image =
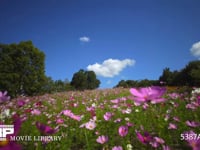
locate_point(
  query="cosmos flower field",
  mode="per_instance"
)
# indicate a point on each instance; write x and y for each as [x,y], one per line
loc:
[161,118]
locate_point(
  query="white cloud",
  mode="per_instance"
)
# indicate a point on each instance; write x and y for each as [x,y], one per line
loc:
[84,39]
[195,49]
[110,67]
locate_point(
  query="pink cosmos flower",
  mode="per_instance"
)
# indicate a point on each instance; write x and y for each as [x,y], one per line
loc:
[167,116]
[172,126]
[156,141]
[117,148]
[4,97]
[102,139]
[91,110]
[75,104]
[159,140]
[145,106]
[118,120]
[107,116]
[123,130]
[153,94]
[146,138]
[59,121]
[20,103]
[115,101]
[126,111]
[192,106]
[35,112]
[174,95]
[176,119]
[76,117]
[71,115]
[192,123]
[67,112]
[90,125]
[129,124]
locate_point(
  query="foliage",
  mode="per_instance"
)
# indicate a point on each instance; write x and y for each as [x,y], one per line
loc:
[136,83]
[188,76]
[192,73]
[22,69]
[167,76]
[52,86]
[84,80]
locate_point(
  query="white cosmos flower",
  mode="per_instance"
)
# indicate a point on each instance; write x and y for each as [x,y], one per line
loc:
[5,114]
[128,111]
[129,147]
[136,110]
[127,119]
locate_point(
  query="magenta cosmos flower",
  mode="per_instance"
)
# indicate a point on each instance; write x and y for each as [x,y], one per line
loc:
[44,129]
[123,130]
[194,142]
[151,94]
[146,138]
[21,103]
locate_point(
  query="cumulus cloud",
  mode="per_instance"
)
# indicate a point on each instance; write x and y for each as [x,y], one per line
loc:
[110,67]
[195,49]
[84,39]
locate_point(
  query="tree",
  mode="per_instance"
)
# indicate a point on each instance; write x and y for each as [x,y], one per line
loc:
[146,82]
[136,83]
[22,69]
[59,86]
[56,86]
[92,82]
[84,80]
[167,76]
[49,85]
[188,76]
[191,73]
[79,80]
[122,83]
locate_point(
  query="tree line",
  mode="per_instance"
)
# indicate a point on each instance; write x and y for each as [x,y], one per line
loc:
[188,76]
[22,72]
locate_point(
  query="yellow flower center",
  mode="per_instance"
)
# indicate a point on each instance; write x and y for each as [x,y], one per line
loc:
[4,143]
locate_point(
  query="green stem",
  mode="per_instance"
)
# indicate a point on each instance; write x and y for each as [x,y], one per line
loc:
[87,143]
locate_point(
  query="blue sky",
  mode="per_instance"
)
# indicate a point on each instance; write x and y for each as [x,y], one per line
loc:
[118,39]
